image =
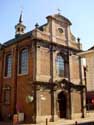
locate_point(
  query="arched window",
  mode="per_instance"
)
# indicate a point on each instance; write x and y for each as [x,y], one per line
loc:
[60,65]
[23,62]
[8,65]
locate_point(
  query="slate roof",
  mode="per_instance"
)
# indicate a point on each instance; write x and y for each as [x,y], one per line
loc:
[16,39]
[20,37]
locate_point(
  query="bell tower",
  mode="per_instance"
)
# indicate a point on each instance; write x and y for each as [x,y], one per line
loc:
[20,27]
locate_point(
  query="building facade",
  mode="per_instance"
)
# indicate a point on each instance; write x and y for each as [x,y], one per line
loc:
[40,72]
[88,79]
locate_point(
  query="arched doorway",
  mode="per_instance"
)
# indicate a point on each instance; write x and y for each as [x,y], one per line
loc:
[62,102]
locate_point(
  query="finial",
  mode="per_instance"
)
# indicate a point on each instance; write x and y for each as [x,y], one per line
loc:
[20,19]
[59,11]
[21,11]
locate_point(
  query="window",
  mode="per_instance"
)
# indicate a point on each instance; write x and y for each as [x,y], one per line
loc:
[23,61]
[90,104]
[8,65]
[18,29]
[60,30]
[22,30]
[60,65]
[7,95]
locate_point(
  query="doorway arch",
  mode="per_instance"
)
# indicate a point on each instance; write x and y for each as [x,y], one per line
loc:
[62,103]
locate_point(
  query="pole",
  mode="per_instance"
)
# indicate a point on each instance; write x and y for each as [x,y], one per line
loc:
[80,75]
[46,121]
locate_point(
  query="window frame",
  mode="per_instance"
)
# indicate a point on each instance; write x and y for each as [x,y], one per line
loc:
[58,65]
[8,65]
[20,70]
[7,95]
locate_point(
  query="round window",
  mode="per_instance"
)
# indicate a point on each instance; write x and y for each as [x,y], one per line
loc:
[60,30]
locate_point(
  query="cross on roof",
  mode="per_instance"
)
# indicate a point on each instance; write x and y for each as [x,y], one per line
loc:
[59,11]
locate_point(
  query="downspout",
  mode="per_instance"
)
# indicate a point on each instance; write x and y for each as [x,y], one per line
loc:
[15,79]
[69,90]
[34,49]
[34,66]
[51,72]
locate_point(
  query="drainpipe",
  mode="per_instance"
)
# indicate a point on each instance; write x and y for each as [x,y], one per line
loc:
[51,69]
[15,79]
[51,81]
[34,56]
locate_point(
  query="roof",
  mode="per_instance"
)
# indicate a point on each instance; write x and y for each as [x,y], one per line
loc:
[91,48]
[41,27]
[28,34]
[16,39]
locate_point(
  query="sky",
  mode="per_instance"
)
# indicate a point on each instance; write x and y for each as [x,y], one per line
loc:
[79,12]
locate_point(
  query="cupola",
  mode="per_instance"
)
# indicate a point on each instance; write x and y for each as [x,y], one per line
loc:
[20,27]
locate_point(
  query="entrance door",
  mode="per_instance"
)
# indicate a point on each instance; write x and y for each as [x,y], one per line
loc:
[62,104]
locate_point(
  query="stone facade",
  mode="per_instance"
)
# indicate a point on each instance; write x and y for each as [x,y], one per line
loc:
[44,43]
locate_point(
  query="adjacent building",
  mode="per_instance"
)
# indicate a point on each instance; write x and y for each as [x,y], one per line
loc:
[88,79]
[40,72]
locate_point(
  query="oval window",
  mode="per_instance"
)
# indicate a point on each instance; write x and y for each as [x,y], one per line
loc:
[60,30]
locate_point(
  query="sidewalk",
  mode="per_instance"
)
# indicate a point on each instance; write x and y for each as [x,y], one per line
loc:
[66,122]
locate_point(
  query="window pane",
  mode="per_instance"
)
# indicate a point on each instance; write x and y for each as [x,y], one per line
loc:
[7,95]
[8,67]
[60,65]
[24,61]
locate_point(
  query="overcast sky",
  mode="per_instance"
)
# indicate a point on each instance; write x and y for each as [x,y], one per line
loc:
[79,12]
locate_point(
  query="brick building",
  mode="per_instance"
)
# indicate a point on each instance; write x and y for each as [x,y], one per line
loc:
[40,74]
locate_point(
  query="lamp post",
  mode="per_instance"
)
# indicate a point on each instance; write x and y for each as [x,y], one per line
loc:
[80,75]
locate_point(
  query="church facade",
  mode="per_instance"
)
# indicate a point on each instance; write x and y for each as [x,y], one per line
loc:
[40,72]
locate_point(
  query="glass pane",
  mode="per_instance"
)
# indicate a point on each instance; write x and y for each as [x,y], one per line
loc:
[24,61]
[60,65]
[7,96]
[8,67]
